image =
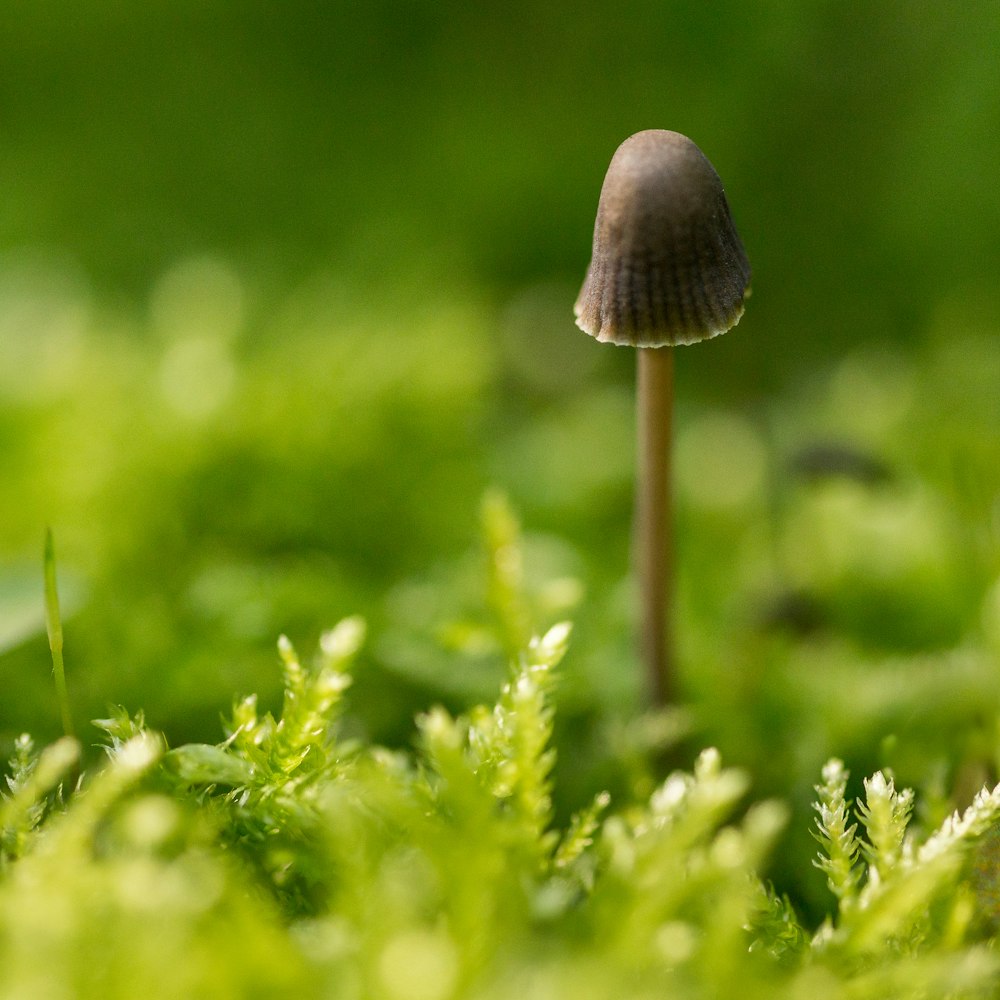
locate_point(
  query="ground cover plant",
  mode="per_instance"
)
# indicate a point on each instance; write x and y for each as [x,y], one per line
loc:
[838,596]
[292,859]
[286,341]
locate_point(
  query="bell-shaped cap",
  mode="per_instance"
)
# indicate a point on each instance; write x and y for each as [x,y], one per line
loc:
[668,266]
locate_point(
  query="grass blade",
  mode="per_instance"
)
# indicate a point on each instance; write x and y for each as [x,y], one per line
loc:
[53,626]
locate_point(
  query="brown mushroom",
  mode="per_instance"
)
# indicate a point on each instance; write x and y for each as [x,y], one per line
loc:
[667,268]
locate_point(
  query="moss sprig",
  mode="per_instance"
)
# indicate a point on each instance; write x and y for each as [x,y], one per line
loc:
[837,834]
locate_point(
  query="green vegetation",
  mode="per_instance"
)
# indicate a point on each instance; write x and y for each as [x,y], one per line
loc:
[293,860]
[838,572]
[285,300]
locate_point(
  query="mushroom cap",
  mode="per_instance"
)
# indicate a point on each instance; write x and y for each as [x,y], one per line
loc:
[668,266]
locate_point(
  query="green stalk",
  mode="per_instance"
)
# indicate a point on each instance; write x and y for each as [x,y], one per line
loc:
[53,625]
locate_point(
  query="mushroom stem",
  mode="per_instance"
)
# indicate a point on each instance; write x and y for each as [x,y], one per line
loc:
[654,519]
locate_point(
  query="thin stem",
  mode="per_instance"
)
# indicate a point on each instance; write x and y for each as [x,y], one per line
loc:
[654,519]
[53,624]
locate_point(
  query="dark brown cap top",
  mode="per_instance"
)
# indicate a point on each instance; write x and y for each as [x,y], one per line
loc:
[668,266]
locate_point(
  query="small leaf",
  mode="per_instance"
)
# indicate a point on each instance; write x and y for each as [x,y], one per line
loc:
[203,764]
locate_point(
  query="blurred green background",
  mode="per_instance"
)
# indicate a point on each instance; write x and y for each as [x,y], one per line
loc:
[284,288]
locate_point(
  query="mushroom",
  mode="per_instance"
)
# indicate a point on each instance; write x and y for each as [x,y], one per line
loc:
[667,268]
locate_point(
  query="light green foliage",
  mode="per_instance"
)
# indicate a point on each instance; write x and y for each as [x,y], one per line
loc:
[884,813]
[286,861]
[505,573]
[837,835]
[30,781]
[510,745]
[120,894]
[265,783]
[914,900]
[300,856]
